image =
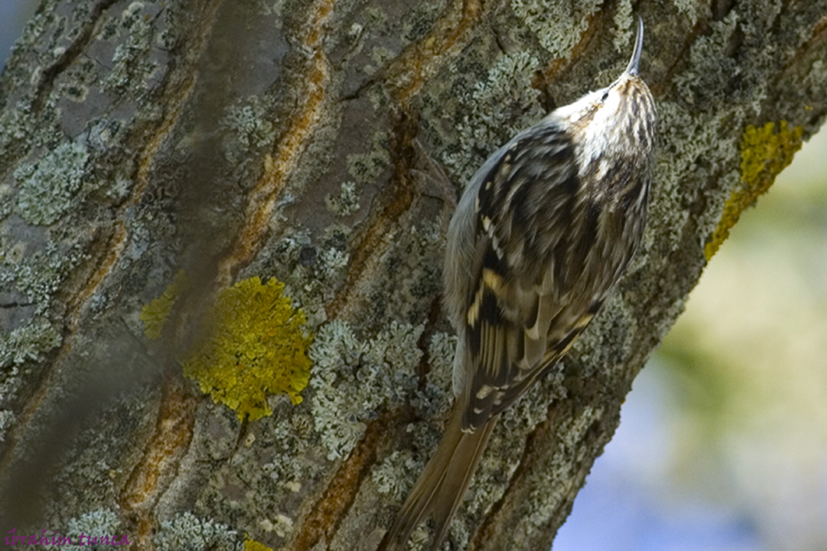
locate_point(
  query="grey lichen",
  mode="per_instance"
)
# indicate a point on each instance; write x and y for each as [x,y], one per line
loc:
[28,343]
[6,202]
[441,358]
[353,379]
[284,470]
[332,262]
[419,19]
[15,122]
[130,63]
[692,144]
[508,81]
[365,168]
[282,525]
[419,539]
[48,185]
[186,532]
[496,470]
[396,473]
[493,102]
[6,421]
[711,66]
[257,482]
[247,127]
[376,17]
[346,202]
[612,323]
[624,26]
[380,56]
[39,276]
[10,383]
[689,8]
[558,25]
[276,8]
[290,440]
[816,78]
[95,524]
[309,279]
[545,497]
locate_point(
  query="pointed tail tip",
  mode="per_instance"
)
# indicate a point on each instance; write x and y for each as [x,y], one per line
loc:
[442,485]
[634,64]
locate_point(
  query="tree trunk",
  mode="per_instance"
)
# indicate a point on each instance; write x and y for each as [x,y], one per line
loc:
[308,141]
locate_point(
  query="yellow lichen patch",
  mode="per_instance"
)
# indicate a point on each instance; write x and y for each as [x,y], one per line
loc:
[258,345]
[764,154]
[253,545]
[155,314]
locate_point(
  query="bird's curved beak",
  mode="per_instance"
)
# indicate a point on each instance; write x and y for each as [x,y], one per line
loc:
[634,63]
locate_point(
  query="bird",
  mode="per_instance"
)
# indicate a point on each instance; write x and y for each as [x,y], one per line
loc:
[540,237]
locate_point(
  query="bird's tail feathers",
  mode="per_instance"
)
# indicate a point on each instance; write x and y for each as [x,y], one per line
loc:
[443,483]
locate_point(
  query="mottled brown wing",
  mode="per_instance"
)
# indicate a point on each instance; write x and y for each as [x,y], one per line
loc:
[519,319]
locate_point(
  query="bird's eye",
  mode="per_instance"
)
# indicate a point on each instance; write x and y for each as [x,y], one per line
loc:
[605,96]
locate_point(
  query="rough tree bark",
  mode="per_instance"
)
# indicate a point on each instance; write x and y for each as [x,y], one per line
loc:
[303,140]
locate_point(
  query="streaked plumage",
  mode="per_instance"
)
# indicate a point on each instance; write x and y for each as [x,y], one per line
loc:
[543,232]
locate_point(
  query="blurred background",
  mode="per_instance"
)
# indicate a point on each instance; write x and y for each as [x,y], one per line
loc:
[723,441]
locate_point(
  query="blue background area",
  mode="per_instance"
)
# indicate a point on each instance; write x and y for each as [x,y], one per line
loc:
[13,16]
[629,502]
